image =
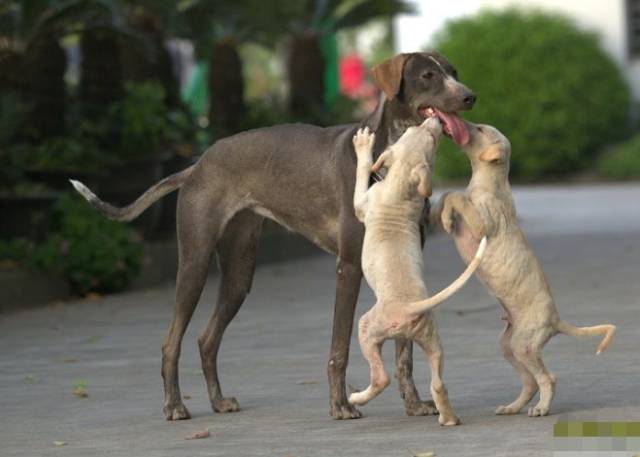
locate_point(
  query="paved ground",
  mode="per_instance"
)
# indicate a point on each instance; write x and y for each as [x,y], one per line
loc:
[273,358]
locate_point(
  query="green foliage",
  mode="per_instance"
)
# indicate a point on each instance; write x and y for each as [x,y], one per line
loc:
[145,124]
[142,116]
[623,161]
[95,254]
[17,250]
[66,153]
[543,82]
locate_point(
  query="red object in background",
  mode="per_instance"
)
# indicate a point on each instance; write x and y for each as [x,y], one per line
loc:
[352,73]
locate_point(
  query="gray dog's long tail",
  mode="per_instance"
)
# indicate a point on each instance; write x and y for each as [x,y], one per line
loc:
[605,329]
[422,306]
[130,212]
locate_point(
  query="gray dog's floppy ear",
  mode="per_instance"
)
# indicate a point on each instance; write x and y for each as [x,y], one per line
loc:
[388,74]
[420,176]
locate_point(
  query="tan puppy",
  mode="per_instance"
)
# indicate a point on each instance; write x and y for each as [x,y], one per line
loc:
[509,269]
[392,256]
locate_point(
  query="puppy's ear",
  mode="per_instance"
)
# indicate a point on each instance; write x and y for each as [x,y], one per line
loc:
[384,160]
[492,154]
[420,176]
[388,74]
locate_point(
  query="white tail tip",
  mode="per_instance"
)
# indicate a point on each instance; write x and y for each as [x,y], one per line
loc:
[83,190]
[481,248]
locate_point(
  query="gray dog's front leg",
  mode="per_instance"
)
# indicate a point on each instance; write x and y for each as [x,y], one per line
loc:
[349,276]
[404,373]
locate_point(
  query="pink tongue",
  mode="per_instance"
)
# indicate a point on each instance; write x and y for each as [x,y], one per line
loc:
[456,126]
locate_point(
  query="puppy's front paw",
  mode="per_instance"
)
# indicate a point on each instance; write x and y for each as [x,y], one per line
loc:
[538,411]
[363,141]
[448,420]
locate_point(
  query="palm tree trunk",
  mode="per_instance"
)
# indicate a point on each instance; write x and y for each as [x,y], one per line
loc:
[101,76]
[305,69]
[45,90]
[150,60]
[226,89]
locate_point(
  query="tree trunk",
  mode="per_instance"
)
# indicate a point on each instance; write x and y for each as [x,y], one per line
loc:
[45,90]
[101,77]
[150,60]
[226,89]
[11,71]
[305,69]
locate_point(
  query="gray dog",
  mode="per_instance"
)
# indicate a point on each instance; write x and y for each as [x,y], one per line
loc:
[302,177]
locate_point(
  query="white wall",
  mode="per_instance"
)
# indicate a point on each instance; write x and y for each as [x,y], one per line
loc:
[606,17]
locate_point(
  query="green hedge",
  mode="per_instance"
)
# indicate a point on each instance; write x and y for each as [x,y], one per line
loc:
[623,161]
[543,82]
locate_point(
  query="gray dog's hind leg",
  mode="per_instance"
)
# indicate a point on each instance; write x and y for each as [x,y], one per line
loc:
[237,260]
[198,230]
[404,372]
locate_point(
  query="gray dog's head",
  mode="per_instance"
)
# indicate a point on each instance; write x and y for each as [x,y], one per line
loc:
[426,84]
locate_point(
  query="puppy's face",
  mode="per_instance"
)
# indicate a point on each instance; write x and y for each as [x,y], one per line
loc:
[413,154]
[419,143]
[488,147]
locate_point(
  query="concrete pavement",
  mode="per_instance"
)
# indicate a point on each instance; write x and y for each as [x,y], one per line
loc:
[274,355]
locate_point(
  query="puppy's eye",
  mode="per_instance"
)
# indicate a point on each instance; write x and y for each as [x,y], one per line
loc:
[427,75]
[480,129]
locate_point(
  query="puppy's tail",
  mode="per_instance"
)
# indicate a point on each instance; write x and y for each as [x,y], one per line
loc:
[422,306]
[606,329]
[130,212]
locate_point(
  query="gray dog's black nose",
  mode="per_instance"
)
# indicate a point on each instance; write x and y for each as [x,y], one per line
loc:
[469,99]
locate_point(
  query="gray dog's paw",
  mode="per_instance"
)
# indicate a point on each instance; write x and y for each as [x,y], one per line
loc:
[343,412]
[421,408]
[225,405]
[176,412]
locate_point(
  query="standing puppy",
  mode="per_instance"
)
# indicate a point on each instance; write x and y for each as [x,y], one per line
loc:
[392,257]
[509,269]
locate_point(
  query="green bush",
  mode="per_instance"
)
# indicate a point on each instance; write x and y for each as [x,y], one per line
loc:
[543,82]
[94,253]
[142,116]
[623,161]
[66,153]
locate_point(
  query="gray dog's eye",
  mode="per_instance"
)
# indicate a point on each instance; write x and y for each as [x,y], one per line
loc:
[427,75]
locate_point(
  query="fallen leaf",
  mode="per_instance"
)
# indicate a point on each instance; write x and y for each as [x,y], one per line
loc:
[198,435]
[93,339]
[80,389]
[92,296]
[306,382]
[187,397]
[69,360]
[59,443]
[421,454]
[29,378]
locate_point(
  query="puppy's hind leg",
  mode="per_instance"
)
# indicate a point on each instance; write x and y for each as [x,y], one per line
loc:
[529,386]
[527,349]
[371,347]
[429,341]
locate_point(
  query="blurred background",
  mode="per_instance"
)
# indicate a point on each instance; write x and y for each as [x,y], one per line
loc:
[120,93]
